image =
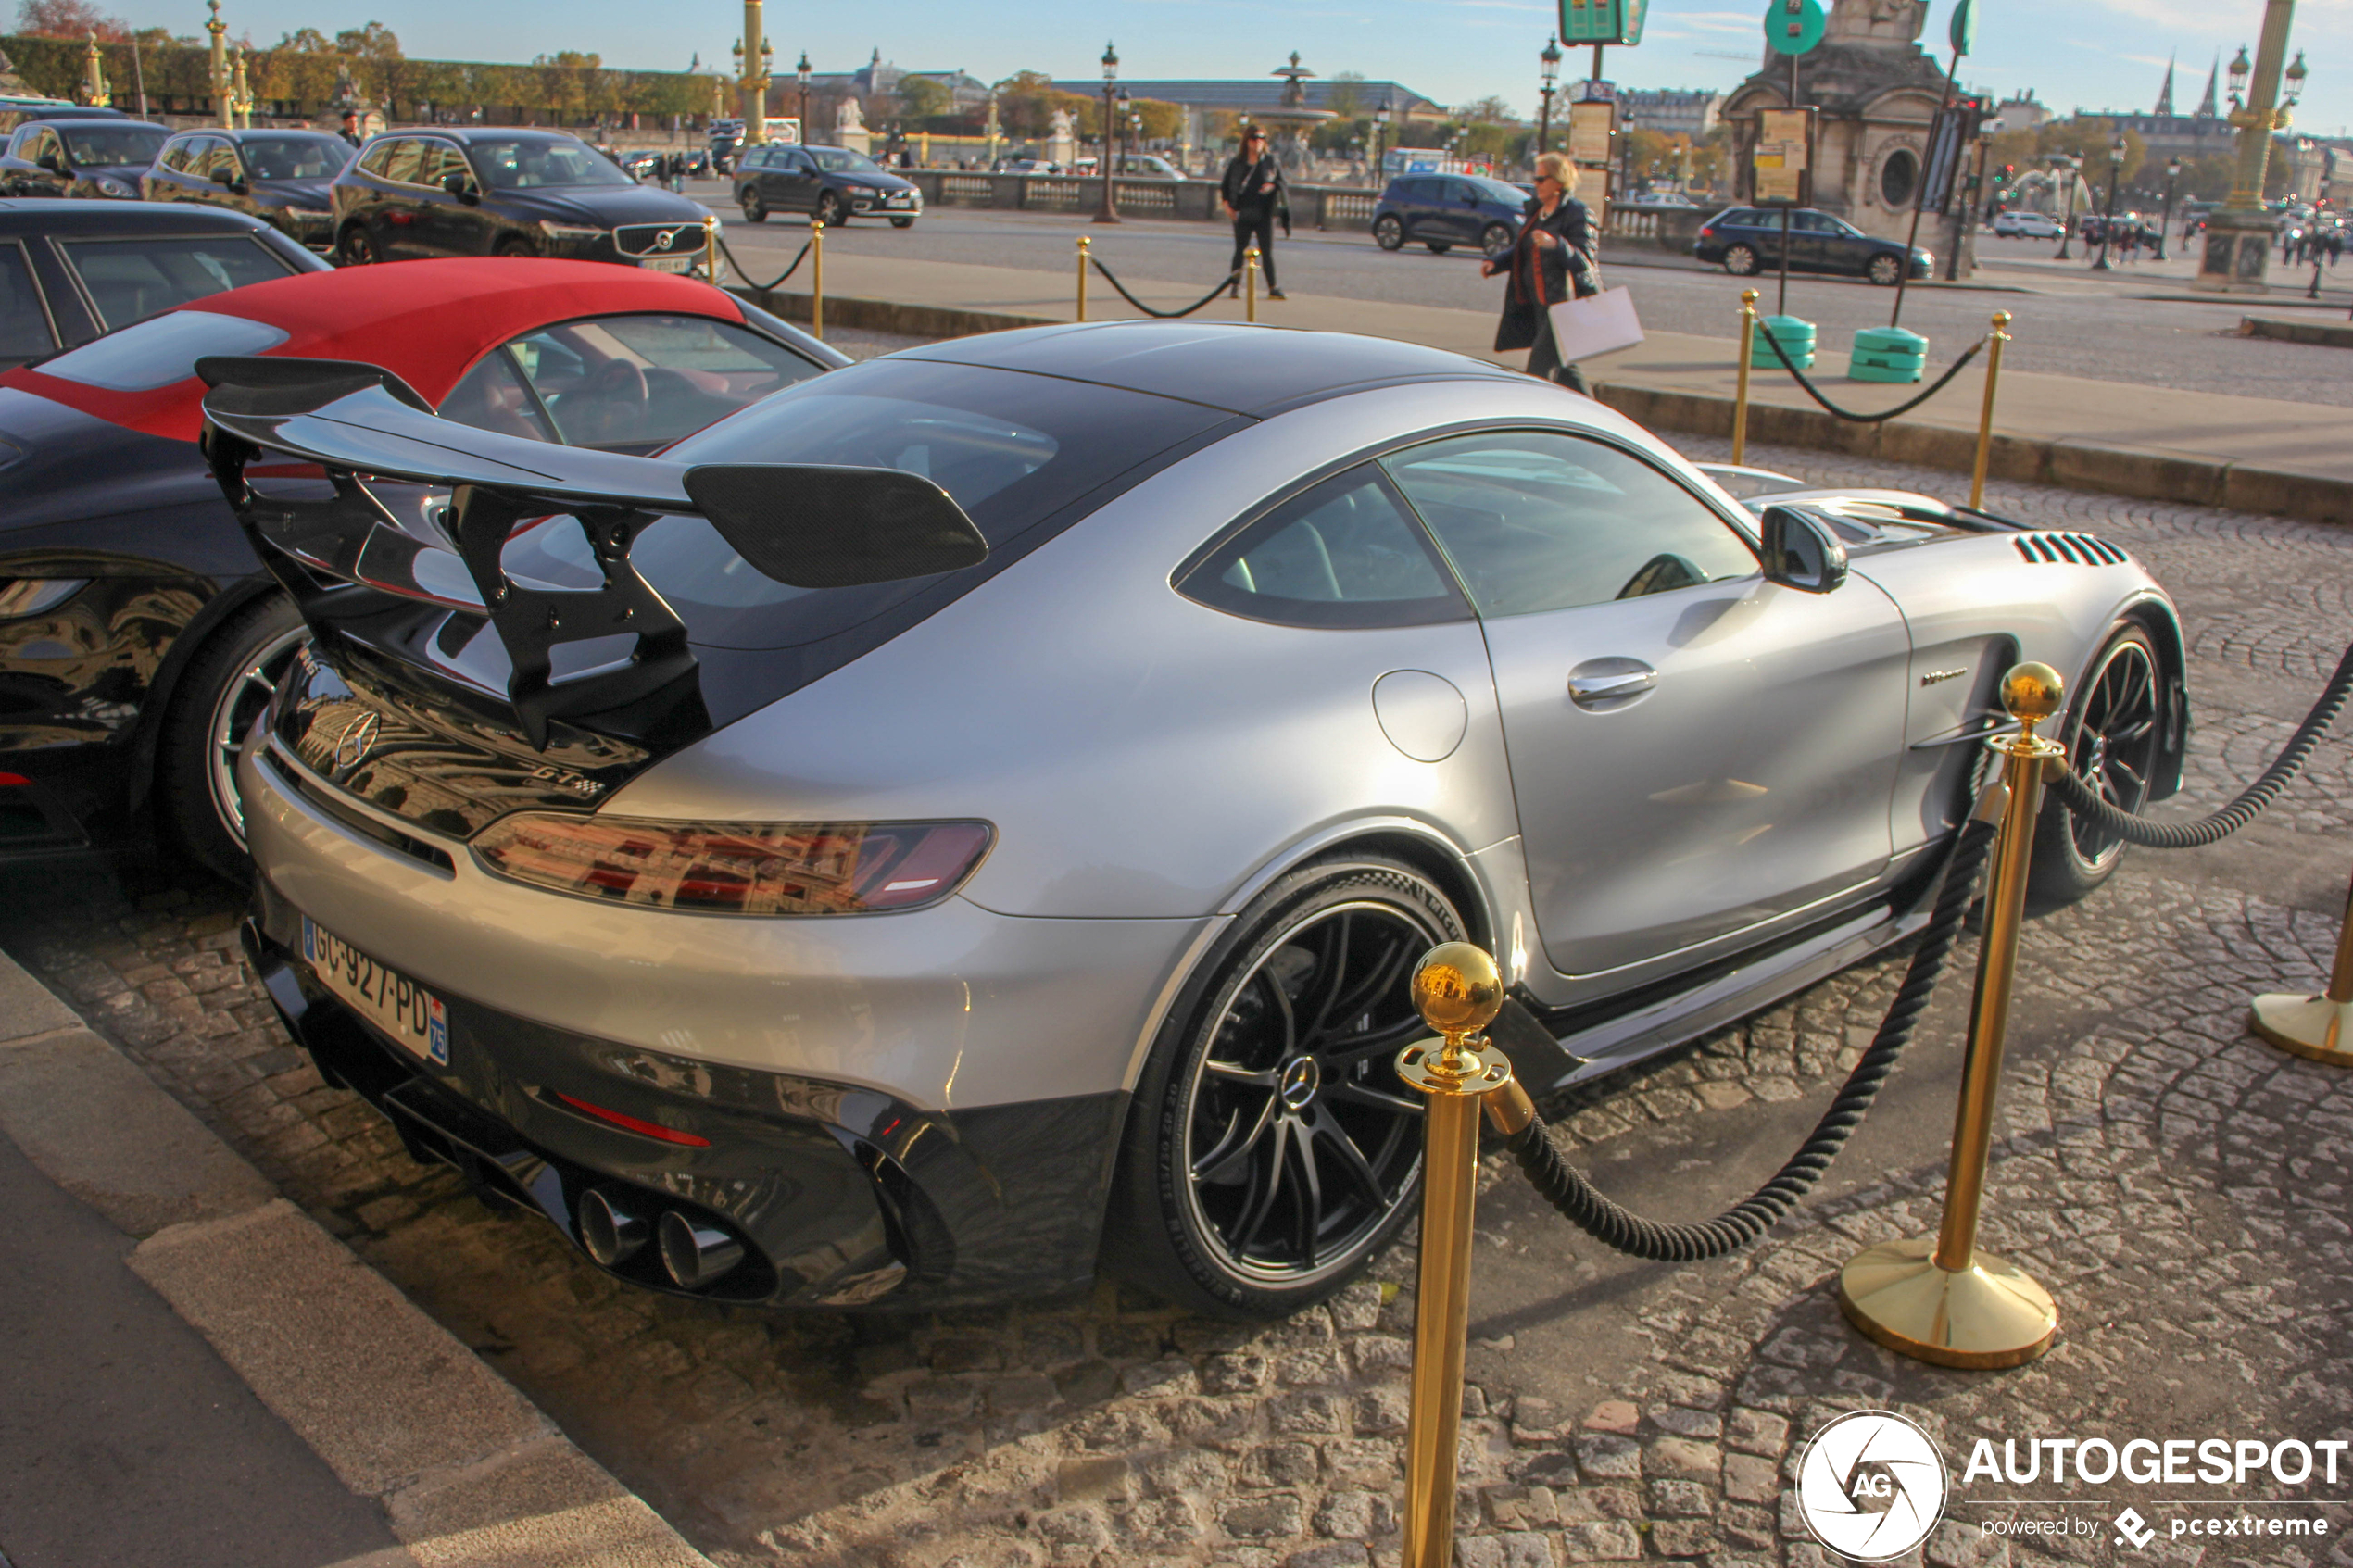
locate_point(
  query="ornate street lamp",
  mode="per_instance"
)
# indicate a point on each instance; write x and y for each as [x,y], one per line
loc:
[1110,87]
[218,72]
[2108,225]
[1381,116]
[1552,62]
[801,74]
[2295,75]
[2069,169]
[2240,233]
[2239,67]
[2172,178]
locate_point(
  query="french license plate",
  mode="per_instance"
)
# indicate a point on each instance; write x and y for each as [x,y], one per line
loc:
[391,1001]
[669,263]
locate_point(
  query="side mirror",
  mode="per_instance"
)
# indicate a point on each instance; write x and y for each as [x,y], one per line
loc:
[460,186]
[1800,552]
[53,163]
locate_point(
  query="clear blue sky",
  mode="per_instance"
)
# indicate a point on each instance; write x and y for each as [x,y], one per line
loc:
[2095,54]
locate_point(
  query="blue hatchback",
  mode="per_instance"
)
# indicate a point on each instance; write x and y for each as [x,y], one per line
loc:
[1445,210]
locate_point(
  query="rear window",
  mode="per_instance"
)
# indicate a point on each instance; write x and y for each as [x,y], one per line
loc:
[152,354]
[1017,452]
[102,148]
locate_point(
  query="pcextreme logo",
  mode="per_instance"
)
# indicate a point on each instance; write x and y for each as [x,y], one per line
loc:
[1871,1485]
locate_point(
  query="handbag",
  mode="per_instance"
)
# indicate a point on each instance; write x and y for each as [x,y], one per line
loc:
[1600,324]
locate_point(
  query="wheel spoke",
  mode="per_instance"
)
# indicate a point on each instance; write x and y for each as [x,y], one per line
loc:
[1350,1160]
[1387,1037]
[1236,1145]
[1307,1202]
[1266,1184]
[1349,1092]
[1332,973]
[1235,1073]
[1385,972]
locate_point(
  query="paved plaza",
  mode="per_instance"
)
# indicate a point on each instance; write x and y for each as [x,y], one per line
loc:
[2182,1189]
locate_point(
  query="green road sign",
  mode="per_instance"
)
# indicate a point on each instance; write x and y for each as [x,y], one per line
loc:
[1603,21]
[1794,26]
[1964,31]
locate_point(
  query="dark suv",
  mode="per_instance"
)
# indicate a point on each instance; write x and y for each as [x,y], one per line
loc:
[413,193]
[80,157]
[829,184]
[281,177]
[1746,240]
[1445,210]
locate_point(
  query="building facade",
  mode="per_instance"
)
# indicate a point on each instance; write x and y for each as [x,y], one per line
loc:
[1673,111]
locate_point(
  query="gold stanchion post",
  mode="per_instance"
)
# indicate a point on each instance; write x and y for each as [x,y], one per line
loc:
[1739,398]
[1082,277]
[1249,284]
[1985,416]
[1938,1298]
[2319,1027]
[711,250]
[817,277]
[1458,991]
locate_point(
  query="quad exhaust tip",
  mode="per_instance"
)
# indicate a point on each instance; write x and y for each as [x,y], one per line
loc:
[612,1233]
[695,1252]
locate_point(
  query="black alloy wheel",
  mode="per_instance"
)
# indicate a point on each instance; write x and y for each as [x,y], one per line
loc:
[1884,269]
[1388,233]
[1740,261]
[2114,732]
[832,211]
[755,210]
[1438,247]
[1273,1149]
[220,693]
[1496,240]
[902,222]
[357,247]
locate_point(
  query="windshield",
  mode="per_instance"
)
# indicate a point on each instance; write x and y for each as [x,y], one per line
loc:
[838,160]
[523,165]
[99,148]
[1495,190]
[295,158]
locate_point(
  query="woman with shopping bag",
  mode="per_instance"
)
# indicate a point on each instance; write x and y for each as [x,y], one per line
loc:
[1550,264]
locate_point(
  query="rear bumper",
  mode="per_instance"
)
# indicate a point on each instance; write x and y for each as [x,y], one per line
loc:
[842,1197]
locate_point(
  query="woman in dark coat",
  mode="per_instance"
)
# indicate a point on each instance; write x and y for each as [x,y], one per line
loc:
[1551,260]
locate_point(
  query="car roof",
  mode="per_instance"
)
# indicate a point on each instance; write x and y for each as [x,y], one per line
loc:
[470,133]
[1246,369]
[23,216]
[111,123]
[240,132]
[428,322]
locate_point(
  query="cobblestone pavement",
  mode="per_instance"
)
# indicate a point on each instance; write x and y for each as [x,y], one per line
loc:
[2176,1184]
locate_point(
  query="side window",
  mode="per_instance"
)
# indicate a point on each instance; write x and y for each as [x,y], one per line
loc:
[637,382]
[373,159]
[223,161]
[1534,521]
[44,143]
[492,397]
[24,324]
[131,280]
[400,164]
[175,156]
[1344,554]
[439,161]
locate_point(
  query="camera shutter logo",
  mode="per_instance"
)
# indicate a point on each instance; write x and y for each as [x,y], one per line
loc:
[1871,1485]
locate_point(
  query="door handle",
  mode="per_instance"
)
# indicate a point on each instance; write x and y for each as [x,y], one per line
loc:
[1606,683]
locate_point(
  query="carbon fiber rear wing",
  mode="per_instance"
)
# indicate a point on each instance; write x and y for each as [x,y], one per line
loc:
[805,526]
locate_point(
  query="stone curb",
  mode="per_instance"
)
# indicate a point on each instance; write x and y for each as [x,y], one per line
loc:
[2151,473]
[467,1470]
[2331,334]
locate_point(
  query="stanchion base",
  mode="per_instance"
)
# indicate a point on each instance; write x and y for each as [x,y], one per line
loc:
[2305,1025]
[1990,1314]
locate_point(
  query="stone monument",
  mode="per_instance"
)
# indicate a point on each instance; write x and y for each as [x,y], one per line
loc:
[1878,92]
[1062,141]
[849,127]
[10,83]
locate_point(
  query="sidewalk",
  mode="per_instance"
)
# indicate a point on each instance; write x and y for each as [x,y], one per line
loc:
[201,1377]
[2250,454]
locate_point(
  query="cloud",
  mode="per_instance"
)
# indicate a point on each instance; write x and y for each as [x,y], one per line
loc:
[1715,21]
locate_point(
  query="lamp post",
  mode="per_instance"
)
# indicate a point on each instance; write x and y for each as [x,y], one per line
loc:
[1110,87]
[1380,126]
[752,82]
[2172,178]
[801,74]
[1552,60]
[2107,223]
[2238,236]
[2068,168]
[219,70]
[1128,140]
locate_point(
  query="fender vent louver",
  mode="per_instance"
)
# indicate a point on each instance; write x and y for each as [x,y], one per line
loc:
[2078,550]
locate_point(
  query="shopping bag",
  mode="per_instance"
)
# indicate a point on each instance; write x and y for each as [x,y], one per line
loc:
[1600,324]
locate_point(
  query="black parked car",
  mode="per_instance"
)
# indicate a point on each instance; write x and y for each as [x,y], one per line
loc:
[829,184]
[1445,210]
[281,177]
[1746,240]
[84,156]
[412,194]
[71,269]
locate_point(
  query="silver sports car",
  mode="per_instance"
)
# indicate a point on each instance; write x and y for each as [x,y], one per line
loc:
[969,817]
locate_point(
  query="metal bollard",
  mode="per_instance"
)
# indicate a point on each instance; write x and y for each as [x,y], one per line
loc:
[2319,1027]
[1082,277]
[1740,399]
[1985,416]
[1249,284]
[1458,991]
[710,249]
[1938,1298]
[817,279]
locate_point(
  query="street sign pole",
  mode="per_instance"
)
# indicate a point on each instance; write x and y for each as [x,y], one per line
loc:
[1792,27]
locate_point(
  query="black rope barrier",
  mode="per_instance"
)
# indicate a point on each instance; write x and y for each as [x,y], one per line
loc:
[2078,795]
[1228,281]
[745,273]
[1586,1207]
[1816,393]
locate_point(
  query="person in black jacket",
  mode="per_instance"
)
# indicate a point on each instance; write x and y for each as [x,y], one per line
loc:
[1551,260]
[1254,193]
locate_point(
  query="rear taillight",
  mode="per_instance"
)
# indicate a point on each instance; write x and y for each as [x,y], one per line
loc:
[1707,233]
[737,868]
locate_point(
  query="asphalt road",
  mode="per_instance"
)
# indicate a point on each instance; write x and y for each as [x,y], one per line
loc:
[2067,321]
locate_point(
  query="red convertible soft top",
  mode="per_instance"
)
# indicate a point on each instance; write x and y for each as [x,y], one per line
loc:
[427,321]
